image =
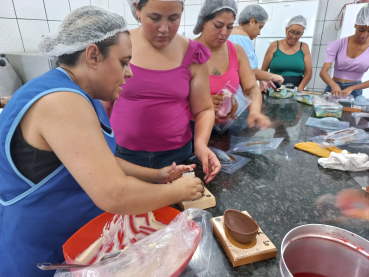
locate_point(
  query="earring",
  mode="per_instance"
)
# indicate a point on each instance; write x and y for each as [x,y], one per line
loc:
[138,18]
[251,24]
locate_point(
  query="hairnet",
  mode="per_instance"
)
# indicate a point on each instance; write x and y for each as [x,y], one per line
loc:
[253,11]
[362,17]
[210,7]
[133,9]
[81,27]
[299,20]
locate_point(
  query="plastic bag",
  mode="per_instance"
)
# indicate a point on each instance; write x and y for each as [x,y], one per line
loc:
[257,146]
[328,123]
[306,99]
[341,137]
[282,92]
[360,114]
[325,108]
[163,253]
[230,163]
[242,102]
[361,101]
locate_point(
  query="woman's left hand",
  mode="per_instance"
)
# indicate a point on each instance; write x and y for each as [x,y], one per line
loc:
[173,172]
[258,120]
[210,162]
[347,91]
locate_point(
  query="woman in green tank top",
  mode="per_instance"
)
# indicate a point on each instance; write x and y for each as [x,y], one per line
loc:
[289,57]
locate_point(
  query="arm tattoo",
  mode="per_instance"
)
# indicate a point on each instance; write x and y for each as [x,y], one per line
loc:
[216,72]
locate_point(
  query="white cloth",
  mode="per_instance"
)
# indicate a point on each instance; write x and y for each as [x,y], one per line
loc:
[346,162]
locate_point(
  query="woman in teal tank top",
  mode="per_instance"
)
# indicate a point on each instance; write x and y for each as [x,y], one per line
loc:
[289,58]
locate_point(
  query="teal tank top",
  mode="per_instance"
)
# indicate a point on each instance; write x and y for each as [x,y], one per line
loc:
[287,65]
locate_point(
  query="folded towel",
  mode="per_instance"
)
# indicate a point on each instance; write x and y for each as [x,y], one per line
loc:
[315,149]
[345,161]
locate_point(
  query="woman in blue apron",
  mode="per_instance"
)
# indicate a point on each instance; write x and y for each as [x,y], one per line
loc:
[57,165]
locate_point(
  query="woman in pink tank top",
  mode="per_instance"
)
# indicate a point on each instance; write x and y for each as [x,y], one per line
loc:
[151,118]
[228,61]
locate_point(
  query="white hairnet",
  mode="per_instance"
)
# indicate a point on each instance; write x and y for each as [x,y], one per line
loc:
[133,9]
[362,17]
[81,27]
[299,20]
[253,11]
[210,7]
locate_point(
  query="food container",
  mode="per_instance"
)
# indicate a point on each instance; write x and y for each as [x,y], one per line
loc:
[323,251]
[324,108]
[282,93]
[240,226]
[306,99]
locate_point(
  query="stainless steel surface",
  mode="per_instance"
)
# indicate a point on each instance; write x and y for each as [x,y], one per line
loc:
[325,250]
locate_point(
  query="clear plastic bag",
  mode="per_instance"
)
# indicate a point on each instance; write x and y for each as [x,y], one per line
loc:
[360,114]
[242,103]
[282,92]
[258,147]
[361,101]
[328,123]
[325,108]
[230,163]
[341,137]
[306,99]
[163,253]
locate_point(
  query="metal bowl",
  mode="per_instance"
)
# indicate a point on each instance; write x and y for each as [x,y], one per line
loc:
[324,251]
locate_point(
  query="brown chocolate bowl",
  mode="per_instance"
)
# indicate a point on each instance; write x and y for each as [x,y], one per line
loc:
[240,226]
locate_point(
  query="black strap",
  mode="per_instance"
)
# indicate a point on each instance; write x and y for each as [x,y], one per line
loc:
[301,45]
[277,44]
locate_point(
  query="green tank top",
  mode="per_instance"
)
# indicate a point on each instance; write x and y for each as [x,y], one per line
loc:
[287,65]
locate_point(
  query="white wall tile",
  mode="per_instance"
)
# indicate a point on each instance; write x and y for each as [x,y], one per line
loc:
[322,10]
[7,9]
[189,32]
[315,55]
[32,32]
[329,32]
[192,12]
[74,4]
[56,10]
[319,83]
[310,85]
[117,6]
[181,30]
[193,2]
[318,32]
[53,26]
[10,37]
[34,9]
[101,3]
[334,7]
[321,58]
[132,26]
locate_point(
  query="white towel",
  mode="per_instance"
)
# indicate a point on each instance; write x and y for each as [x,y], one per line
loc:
[346,162]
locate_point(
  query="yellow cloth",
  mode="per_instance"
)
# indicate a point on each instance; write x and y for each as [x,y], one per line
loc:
[315,149]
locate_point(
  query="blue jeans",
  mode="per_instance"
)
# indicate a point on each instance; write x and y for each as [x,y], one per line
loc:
[344,85]
[156,160]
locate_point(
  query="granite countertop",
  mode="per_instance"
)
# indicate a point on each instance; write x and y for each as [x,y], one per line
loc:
[279,189]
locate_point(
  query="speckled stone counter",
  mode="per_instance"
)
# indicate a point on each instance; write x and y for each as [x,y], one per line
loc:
[278,189]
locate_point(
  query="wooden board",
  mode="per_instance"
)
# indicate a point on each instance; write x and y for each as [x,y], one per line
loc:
[261,248]
[205,202]
[352,109]
[4,100]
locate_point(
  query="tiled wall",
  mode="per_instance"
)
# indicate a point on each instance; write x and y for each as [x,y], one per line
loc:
[23,22]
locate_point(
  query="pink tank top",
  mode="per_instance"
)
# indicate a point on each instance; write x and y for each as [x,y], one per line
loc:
[152,112]
[231,75]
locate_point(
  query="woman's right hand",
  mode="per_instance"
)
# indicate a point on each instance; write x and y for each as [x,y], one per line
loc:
[267,85]
[336,90]
[277,79]
[217,101]
[190,186]
[348,201]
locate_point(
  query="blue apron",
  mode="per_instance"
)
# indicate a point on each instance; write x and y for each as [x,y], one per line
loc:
[37,219]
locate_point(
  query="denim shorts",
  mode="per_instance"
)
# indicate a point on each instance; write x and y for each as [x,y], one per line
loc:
[156,160]
[344,85]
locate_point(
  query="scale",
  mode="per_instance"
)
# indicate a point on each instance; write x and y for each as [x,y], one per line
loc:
[261,248]
[205,202]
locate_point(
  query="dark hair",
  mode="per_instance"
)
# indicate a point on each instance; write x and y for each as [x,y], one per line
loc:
[143,3]
[214,15]
[104,48]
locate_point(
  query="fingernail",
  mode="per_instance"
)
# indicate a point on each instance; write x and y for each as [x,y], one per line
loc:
[205,170]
